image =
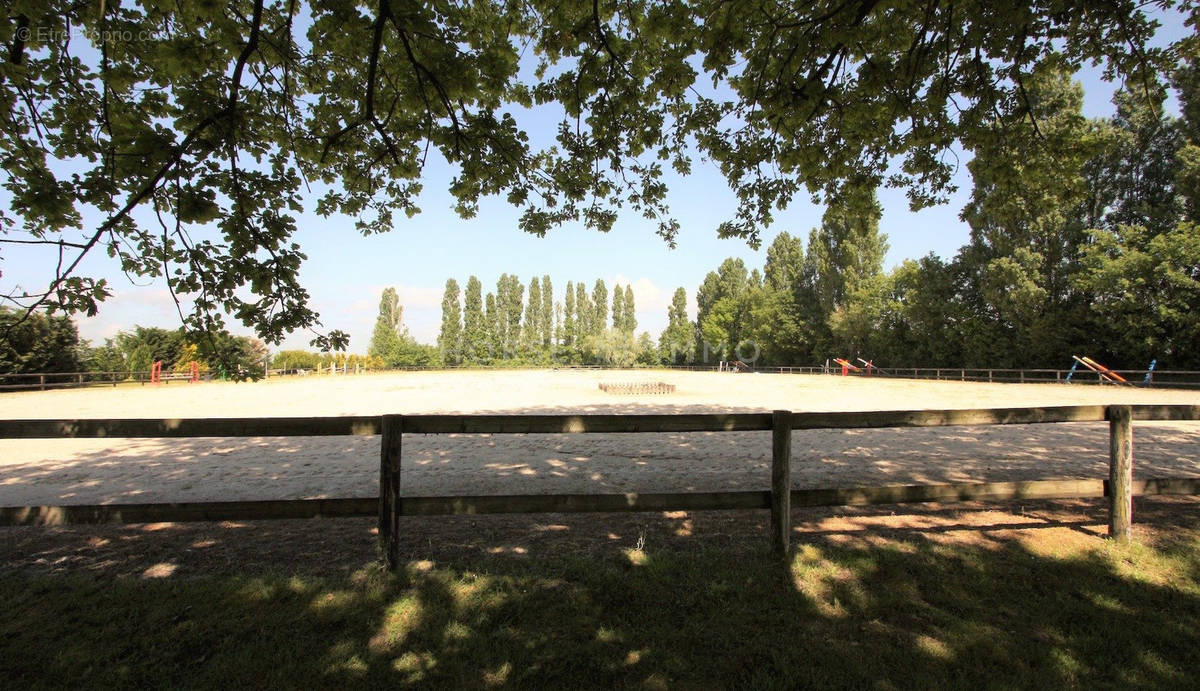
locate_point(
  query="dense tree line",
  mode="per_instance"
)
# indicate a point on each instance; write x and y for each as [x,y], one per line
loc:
[1083,239]
[220,354]
[301,361]
[41,343]
[391,345]
[524,324]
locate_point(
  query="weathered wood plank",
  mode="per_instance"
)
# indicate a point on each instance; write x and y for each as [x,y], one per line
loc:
[1166,412]
[188,511]
[938,418]
[781,482]
[192,427]
[1120,472]
[585,503]
[581,503]
[551,424]
[1167,486]
[390,448]
[390,455]
[949,493]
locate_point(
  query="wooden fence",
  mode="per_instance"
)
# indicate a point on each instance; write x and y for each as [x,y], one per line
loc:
[1160,378]
[43,381]
[390,504]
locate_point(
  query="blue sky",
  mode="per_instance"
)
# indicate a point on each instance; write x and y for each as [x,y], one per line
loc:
[346,272]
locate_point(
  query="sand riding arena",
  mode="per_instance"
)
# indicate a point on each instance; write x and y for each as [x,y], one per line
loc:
[115,471]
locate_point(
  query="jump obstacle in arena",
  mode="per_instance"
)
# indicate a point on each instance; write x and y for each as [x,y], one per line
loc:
[156,373]
[1105,373]
[638,388]
[847,366]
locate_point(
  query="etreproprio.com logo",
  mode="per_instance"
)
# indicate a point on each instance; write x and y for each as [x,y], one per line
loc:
[40,35]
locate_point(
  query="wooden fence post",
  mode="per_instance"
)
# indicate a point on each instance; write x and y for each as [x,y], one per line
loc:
[389,489]
[781,481]
[1120,471]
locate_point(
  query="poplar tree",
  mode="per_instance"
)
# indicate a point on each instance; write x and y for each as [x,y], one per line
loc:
[547,311]
[451,336]
[785,263]
[499,318]
[618,308]
[494,322]
[558,324]
[531,336]
[475,327]
[777,322]
[845,254]
[847,249]
[583,316]
[599,316]
[630,311]
[678,340]
[568,323]
[511,313]
[722,314]
[385,340]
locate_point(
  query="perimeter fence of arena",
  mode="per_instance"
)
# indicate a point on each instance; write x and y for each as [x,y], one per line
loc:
[391,504]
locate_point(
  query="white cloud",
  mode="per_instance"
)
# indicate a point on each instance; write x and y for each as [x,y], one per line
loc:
[651,303]
[356,309]
[411,297]
[417,297]
[646,295]
[133,306]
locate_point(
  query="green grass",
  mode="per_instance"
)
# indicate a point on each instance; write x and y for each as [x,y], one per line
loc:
[873,611]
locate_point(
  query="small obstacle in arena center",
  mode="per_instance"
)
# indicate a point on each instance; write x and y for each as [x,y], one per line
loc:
[656,387]
[1104,373]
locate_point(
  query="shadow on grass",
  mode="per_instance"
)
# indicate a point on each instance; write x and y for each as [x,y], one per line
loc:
[1030,600]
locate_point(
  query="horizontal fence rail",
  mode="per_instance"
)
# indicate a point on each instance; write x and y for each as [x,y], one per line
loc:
[43,381]
[390,505]
[579,503]
[568,424]
[1158,379]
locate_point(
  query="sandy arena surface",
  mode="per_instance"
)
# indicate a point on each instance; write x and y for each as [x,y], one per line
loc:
[87,471]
